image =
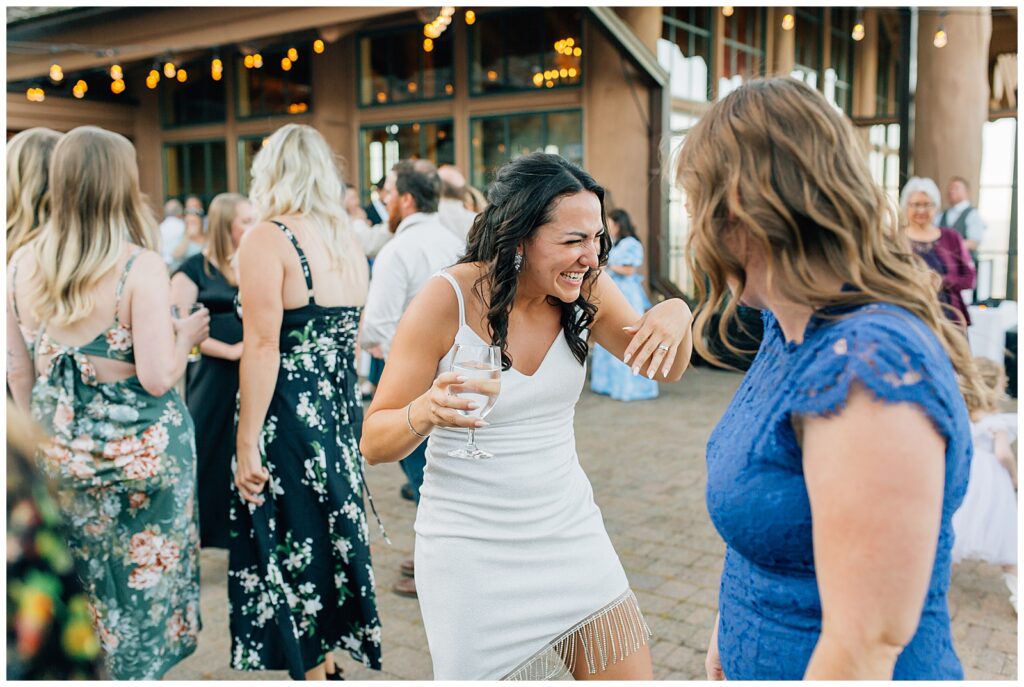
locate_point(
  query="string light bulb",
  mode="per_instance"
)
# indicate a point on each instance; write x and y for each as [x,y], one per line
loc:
[169,70]
[470,17]
[257,60]
[115,72]
[248,62]
[82,86]
[286,64]
[35,95]
[788,22]
[318,46]
[117,86]
[293,54]
[428,45]
[216,69]
[727,11]
[858,30]
[941,39]
[56,73]
[182,75]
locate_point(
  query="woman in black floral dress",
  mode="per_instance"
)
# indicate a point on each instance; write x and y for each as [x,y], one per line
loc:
[300,582]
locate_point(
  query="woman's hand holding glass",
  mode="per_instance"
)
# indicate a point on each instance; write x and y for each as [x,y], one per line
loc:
[441,406]
[194,329]
[656,337]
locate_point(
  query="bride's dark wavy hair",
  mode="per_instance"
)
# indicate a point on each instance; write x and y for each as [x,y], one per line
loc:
[522,198]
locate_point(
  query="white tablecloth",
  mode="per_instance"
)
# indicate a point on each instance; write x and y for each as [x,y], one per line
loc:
[987,333]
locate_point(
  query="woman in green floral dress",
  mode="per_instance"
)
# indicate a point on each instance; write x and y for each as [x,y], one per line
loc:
[300,581]
[121,447]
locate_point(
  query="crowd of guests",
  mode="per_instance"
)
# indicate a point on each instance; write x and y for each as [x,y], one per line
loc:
[835,477]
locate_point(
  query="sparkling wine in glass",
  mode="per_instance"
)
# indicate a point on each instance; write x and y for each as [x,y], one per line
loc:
[481,366]
[193,355]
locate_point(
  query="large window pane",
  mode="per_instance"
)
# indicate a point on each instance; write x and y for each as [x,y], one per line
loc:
[195,168]
[743,48]
[248,146]
[496,140]
[384,145]
[526,49]
[839,75]
[199,100]
[807,52]
[281,86]
[995,198]
[674,262]
[684,50]
[397,67]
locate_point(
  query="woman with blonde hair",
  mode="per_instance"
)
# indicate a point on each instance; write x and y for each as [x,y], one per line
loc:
[835,471]
[209,278]
[300,581]
[106,354]
[28,171]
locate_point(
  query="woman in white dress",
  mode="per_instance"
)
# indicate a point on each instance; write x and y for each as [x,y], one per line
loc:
[986,522]
[516,575]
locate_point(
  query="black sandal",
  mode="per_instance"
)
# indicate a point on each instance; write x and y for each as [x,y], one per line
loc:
[336,675]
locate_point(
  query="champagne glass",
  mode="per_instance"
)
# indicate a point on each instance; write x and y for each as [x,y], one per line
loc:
[481,366]
[193,355]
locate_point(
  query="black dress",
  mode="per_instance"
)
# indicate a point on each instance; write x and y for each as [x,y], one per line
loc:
[300,583]
[211,387]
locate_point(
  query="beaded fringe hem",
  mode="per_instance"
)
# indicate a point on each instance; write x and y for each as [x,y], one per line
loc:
[609,635]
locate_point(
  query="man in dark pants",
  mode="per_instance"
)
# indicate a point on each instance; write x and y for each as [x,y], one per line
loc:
[421,247]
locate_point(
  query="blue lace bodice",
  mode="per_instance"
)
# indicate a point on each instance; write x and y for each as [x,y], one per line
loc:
[757,498]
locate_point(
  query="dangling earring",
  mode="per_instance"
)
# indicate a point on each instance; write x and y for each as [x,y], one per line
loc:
[518,262]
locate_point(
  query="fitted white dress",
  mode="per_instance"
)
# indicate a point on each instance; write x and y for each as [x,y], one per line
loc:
[515,572]
[986,522]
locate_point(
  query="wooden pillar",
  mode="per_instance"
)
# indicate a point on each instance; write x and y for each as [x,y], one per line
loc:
[952,97]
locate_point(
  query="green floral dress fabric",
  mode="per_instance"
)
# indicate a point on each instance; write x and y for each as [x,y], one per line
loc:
[300,583]
[123,462]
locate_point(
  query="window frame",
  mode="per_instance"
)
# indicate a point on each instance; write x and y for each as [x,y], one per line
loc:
[207,195]
[364,193]
[471,35]
[693,31]
[239,71]
[729,43]
[523,113]
[394,30]
[192,67]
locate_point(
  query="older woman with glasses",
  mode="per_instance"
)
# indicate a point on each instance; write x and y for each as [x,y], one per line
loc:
[942,249]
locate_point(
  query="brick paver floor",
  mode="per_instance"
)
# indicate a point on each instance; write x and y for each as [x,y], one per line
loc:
[646,463]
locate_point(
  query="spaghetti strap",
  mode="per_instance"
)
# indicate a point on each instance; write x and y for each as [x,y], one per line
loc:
[458,294]
[121,282]
[302,259]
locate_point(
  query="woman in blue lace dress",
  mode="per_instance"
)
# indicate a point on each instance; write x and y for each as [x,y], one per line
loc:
[608,374]
[834,473]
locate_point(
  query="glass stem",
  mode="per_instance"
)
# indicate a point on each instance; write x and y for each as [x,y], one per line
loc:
[472,439]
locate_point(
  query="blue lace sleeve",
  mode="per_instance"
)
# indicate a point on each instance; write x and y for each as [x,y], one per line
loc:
[627,253]
[893,355]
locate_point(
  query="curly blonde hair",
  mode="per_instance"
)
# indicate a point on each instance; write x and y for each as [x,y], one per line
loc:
[775,159]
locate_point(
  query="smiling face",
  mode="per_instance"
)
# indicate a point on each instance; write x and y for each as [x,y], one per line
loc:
[920,209]
[560,253]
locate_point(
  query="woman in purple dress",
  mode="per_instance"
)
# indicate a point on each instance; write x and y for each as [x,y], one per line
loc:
[942,249]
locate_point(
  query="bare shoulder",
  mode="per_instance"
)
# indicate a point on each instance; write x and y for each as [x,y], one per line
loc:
[264,236]
[148,268]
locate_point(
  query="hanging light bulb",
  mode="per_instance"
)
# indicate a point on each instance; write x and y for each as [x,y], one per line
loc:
[286,64]
[82,86]
[293,54]
[78,92]
[56,73]
[941,39]
[727,11]
[257,60]
[318,46]
[788,21]
[151,82]
[115,72]
[182,75]
[248,62]
[117,86]
[428,45]
[169,70]
[470,17]
[858,30]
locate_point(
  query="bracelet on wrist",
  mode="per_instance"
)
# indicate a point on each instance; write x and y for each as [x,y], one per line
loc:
[408,420]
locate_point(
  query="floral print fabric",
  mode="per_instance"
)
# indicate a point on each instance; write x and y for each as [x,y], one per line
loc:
[123,462]
[300,582]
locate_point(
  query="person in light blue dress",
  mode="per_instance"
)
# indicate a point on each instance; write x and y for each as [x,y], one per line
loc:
[608,374]
[835,471]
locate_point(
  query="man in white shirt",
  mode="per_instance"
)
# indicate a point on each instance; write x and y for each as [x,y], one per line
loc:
[421,246]
[961,216]
[172,231]
[451,208]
